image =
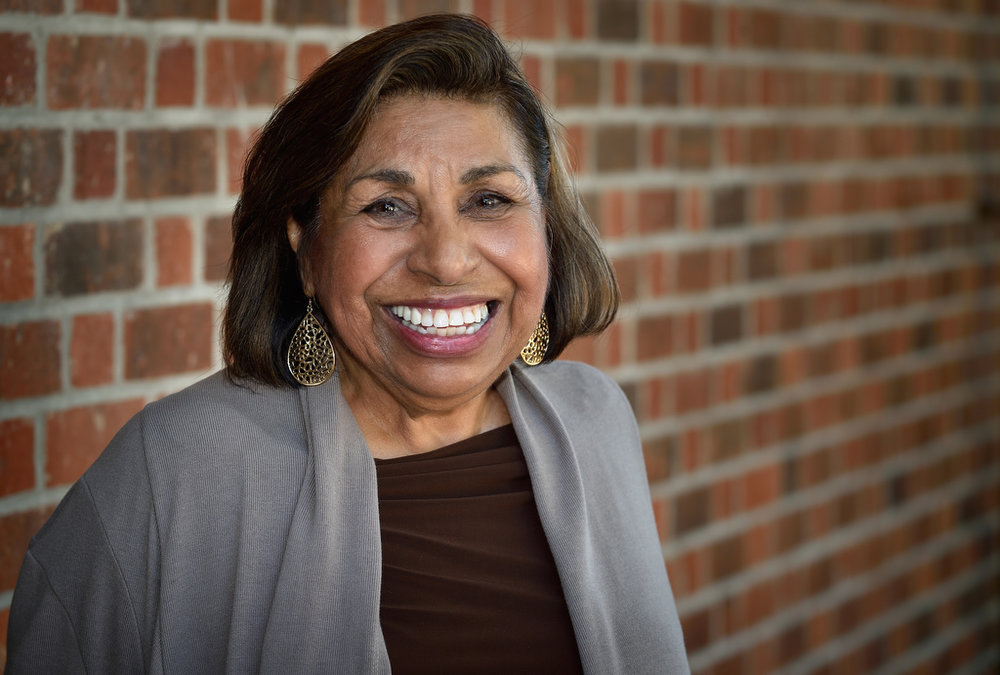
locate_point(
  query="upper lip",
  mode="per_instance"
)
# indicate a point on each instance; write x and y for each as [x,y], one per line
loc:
[442,303]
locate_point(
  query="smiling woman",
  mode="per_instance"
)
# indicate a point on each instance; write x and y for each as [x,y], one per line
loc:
[375,482]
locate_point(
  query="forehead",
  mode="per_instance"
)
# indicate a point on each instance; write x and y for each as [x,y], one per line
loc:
[416,128]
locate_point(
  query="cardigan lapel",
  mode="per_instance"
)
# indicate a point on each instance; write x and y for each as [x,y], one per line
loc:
[559,495]
[331,569]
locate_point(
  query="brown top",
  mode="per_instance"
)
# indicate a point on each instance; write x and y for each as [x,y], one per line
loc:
[468,581]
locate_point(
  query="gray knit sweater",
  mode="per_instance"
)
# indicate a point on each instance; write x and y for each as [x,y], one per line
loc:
[235,529]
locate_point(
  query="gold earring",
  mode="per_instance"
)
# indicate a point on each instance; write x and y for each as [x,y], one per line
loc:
[310,354]
[538,343]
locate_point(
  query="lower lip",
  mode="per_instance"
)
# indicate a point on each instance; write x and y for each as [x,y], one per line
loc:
[438,345]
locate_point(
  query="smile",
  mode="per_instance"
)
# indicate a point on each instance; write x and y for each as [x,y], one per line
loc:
[443,322]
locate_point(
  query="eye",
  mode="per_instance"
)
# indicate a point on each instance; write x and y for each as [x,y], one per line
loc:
[387,209]
[487,204]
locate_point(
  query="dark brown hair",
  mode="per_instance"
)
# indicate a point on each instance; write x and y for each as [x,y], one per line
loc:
[317,128]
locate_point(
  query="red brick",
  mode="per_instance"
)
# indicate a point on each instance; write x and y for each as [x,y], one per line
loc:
[694,271]
[237,142]
[92,350]
[17,69]
[372,12]
[310,56]
[169,9]
[311,12]
[655,337]
[17,455]
[175,73]
[578,81]
[241,73]
[657,210]
[169,163]
[97,6]
[695,24]
[244,10]
[29,359]
[168,340]
[93,257]
[218,246]
[17,263]
[92,71]
[75,437]
[16,530]
[529,19]
[93,164]
[174,248]
[31,162]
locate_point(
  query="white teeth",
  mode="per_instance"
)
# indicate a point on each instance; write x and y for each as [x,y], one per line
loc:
[443,322]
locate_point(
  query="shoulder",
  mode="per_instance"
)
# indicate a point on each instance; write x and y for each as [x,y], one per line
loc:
[219,416]
[590,410]
[579,393]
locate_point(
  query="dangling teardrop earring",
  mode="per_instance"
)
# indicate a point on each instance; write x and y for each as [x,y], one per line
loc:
[311,358]
[534,352]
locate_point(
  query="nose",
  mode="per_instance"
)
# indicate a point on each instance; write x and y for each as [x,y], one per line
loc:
[445,250]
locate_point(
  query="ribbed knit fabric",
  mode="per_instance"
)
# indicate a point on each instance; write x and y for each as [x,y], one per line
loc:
[234,529]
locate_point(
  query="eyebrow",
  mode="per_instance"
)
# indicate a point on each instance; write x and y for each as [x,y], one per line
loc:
[404,178]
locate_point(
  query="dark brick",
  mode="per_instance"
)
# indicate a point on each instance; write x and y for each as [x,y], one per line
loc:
[33,6]
[762,375]
[762,261]
[318,11]
[659,83]
[617,148]
[726,324]
[17,69]
[729,206]
[578,81]
[695,147]
[167,163]
[727,557]
[692,510]
[696,630]
[169,9]
[656,210]
[218,247]
[618,20]
[168,340]
[93,257]
[31,162]
[95,71]
[794,312]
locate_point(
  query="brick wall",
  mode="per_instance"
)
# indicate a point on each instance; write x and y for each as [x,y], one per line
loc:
[802,200]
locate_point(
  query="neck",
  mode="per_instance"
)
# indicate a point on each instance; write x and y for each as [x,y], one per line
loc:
[394,426]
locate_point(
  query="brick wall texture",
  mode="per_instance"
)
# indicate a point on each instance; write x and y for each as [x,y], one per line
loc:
[802,202]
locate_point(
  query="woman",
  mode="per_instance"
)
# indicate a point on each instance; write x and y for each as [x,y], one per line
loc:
[372,484]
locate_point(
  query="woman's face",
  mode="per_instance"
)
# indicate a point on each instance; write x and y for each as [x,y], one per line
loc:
[431,261]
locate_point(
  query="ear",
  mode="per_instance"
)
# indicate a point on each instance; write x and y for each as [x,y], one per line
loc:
[294,231]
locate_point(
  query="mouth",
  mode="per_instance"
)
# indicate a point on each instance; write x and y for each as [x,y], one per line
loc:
[442,322]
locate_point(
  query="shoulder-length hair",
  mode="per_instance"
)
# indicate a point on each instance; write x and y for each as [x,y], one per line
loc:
[317,128]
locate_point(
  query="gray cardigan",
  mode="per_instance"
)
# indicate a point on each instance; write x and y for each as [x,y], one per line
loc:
[235,529]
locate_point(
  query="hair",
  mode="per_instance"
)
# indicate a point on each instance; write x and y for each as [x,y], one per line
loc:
[318,127]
